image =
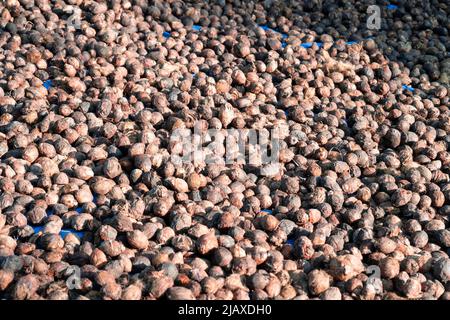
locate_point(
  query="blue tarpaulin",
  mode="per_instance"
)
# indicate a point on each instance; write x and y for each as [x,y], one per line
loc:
[409,88]
[63,233]
[47,84]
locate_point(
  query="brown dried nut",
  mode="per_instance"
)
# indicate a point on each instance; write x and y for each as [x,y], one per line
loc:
[181,221]
[386,245]
[98,258]
[162,206]
[291,185]
[112,168]
[83,172]
[160,285]
[318,281]
[179,293]
[222,86]
[389,267]
[226,115]
[303,248]
[211,285]
[30,153]
[222,257]
[227,220]
[84,195]
[401,197]
[273,288]
[269,222]
[2,220]
[393,137]
[121,222]
[143,162]
[195,181]
[242,49]
[441,270]
[443,237]
[332,293]
[49,166]
[132,292]
[345,267]
[82,221]
[234,282]
[97,153]
[412,288]
[25,287]
[182,243]
[112,290]
[178,184]
[420,239]
[314,216]
[40,267]
[101,185]
[207,242]
[351,185]
[106,232]
[49,241]
[238,76]
[244,265]
[104,277]
[137,239]
[6,278]
[259,280]
[164,235]
[112,247]
[7,245]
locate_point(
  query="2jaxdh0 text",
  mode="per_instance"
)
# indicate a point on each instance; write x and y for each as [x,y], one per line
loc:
[226,309]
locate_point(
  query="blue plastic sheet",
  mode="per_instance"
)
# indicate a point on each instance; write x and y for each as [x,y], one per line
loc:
[47,84]
[63,233]
[196,27]
[392,7]
[307,45]
[37,229]
[411,89]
